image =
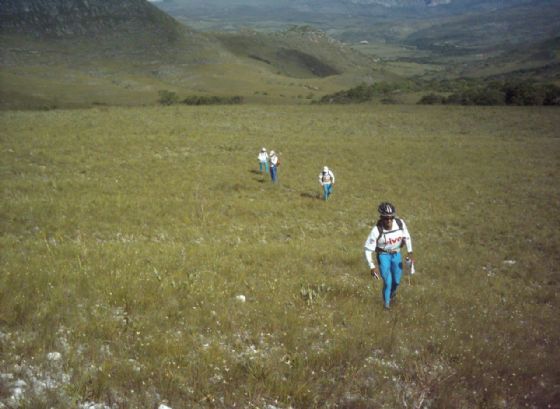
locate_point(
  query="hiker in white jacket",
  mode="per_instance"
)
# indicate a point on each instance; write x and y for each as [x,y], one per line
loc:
[263,160]
[274,163]
[326,179]
[386,239]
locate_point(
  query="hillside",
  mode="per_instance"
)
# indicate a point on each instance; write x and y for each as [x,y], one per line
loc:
[297,52]
[491,31]
[516,41]
[74,53]
[146,261]
[538,61]
[62,18]
[67,51]
[417,37]
[79,53]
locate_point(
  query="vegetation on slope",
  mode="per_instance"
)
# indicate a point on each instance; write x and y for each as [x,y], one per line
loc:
[104,53]
[464,91]
[485,32]
[129,235]
[300,51]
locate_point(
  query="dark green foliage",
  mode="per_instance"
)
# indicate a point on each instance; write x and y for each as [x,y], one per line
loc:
[475,92]
[486,96]
[552,95]
[364,93]
[389,101]
[432,99]
[168,97]
[214,100]
[523,93]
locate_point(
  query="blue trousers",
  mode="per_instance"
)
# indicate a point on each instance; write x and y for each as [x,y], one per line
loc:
[274,174]
[327,190]
[390,267]
[263,164]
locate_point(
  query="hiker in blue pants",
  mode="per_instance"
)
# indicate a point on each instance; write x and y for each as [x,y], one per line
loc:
[263,160]
[386,239]
[326,179]
[274,163]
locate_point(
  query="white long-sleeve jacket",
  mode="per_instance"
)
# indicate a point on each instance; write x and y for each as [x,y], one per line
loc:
[326,178]
[263,157]
[388,240]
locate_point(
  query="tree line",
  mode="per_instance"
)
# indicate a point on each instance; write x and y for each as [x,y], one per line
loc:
[500,93]
[171,98]
[460,92]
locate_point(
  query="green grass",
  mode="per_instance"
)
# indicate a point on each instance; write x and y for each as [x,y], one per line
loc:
[128,233]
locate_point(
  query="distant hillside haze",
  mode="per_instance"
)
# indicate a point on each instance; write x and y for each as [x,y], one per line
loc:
[340,6]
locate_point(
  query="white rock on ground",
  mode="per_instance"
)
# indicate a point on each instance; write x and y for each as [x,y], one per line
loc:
[54,356]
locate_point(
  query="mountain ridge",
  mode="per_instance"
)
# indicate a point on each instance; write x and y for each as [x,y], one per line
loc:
[62,18]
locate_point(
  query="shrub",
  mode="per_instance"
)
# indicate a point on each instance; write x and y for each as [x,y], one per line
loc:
[213,100]
[488,97]
[456,99]
[168,97]
[507,93]
[552,95]
[432,99]
[364,93]
[523,93]
[389,101]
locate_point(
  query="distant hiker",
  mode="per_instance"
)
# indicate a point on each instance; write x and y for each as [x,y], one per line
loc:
[326,179]
[386,239]
[274,163]
[263,160]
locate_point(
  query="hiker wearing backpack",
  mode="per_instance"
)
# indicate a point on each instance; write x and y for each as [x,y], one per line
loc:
[326,179]
[274,163]
[263,160]
[386,239]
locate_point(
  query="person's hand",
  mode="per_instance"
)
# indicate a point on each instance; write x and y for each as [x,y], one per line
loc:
[410,256]
[374,273]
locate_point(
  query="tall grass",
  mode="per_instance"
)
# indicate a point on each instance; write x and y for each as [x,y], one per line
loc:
[128,235]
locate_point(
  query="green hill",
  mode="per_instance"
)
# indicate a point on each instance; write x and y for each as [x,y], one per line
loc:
[497,42]
[300,51]
[82,53]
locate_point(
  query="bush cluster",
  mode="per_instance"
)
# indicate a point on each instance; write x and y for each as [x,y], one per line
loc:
[214,100]
[364,93]
[171,98]
[463,91]
[500,93]
[168,97]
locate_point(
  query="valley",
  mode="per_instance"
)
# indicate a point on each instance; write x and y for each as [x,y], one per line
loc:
[50,59]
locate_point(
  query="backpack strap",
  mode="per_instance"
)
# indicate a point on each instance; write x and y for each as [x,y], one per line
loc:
[379,230]
[380,226]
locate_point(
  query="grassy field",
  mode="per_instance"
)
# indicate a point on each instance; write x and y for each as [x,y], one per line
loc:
[129,235]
